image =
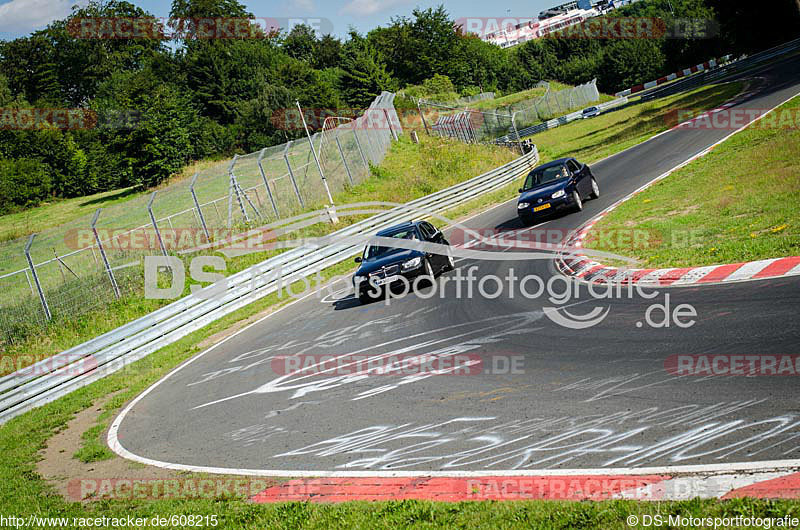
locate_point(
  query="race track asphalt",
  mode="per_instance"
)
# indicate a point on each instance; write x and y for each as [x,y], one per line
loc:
[529,394]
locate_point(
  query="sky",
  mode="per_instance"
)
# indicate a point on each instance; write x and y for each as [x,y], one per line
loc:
[20,17]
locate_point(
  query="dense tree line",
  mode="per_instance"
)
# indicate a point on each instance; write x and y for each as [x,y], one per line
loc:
[160,104]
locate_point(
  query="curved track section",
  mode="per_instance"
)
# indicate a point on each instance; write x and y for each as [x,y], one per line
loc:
[517,391]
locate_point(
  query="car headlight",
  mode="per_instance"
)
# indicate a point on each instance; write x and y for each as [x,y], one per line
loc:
[413,263]
[523,205]
[559,193]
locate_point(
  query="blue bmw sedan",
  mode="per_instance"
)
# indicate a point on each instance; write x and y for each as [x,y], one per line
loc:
[558,185]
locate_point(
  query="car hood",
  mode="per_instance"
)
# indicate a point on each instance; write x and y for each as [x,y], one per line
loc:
[544,191]
[397,256]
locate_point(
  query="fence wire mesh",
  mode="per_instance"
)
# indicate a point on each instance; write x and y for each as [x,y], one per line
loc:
[88,263]
[473,125]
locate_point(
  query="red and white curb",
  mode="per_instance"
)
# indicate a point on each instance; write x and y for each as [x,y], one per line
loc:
[571,262]
[584,268]
[671,77]
[657,487]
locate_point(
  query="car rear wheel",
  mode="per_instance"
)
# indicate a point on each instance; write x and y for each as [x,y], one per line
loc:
[576,199]
[595,189]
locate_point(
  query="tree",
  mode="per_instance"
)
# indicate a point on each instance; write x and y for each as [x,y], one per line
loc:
[5,92]
[748,26]
[183,9]
[23,183]
[29,66]
[415,49]
[301,43]
[364,76]
[161,143]
[627,62]
[328,53]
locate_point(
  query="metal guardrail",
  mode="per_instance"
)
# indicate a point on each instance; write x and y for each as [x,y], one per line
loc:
[688,83]
[555,122]
[81,365]
[716,74]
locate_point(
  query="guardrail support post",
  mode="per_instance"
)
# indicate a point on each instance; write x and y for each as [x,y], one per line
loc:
[103,254]
[344,161]
[291,174]
[266,182]
[197,207]
[42,299]
[155,225]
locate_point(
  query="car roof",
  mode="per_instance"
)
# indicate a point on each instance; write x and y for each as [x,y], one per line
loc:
[558,162]
[395,228]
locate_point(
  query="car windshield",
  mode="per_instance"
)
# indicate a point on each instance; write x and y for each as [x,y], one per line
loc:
[590,109]
[375,251]
[537,177]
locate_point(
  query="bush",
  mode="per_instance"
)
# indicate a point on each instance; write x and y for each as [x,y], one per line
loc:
[23,183]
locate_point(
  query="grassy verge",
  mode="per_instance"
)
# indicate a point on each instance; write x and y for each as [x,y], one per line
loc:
[612,132]
[738,203]
[60,211]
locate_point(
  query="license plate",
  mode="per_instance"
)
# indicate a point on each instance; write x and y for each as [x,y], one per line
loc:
[388,279]
[542,207]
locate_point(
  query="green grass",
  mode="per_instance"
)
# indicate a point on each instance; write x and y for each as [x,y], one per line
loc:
[408,172]
[516,97]
[738,203]
[612,132]
[61,211]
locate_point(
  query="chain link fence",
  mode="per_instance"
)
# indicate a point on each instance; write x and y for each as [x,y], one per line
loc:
[470,125]
[92,261]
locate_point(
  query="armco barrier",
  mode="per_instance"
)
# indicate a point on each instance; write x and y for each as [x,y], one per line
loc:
[77,367]
[712,63]
[555,122]
[711,76]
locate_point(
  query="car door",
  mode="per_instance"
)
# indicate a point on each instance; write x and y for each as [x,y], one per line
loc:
[580,175]
[433,236]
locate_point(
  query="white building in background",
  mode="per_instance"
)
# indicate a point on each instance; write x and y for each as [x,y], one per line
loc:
[536,29]
[553,19]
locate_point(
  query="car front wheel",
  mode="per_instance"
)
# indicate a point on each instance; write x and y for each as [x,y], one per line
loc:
[429,271]
[450,265]
[576,200]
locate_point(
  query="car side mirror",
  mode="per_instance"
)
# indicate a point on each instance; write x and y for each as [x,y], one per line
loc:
[519,190]
[358,259]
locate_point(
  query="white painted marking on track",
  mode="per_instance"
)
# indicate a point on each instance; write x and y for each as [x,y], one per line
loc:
[695,275]
[795,270]
[748,270]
